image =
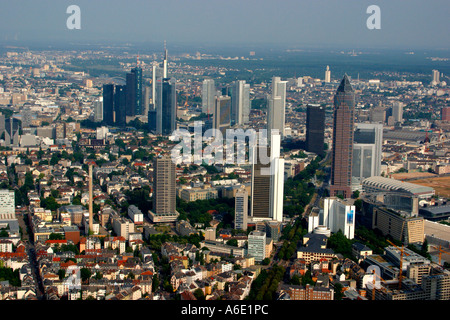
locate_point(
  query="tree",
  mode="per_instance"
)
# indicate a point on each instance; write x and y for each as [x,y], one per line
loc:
[85,274]
[198,293]
[61,274]
[155,283]
[56,236]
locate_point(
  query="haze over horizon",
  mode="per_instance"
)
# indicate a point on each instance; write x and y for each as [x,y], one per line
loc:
[406,25]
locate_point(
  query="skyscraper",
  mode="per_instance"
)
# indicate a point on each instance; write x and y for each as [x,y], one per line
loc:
[277,106]
[120,105]
[367,154]
[241,209]
[108,104]
[208,95]
[12,127]
[164,190]
[342,151]
[134,92]
[315,129]
[166,106]
[222,113]
[435,81]
[397,111]
[146,100]
[98,110]
[327,75]
[267,181]
[240,109]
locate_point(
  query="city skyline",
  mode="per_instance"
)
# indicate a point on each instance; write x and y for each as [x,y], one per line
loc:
[114,184]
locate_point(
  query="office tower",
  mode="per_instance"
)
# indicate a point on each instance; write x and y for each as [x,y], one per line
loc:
[397,111]
[12,127]
[7,204]
[134,92]
[131,94]
[60,130]
[435,81]
[91,196]
[367,154]
[152,116]
[208,96]
[98,110]
[327,75]
[267,181]
[166,106]
[277,106]
[315,129]
[120,105]
[377,114]
[342,151]
[165,61]
[339,215]
[277,179]
[154,76]
[240,108]
[222,113]
[27,117]
[257,245]
[241,209]
[146,100]
[2,122]
[164,190]
[445,114]
[108,104]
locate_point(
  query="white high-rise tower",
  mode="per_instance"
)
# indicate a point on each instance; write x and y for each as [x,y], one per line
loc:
[327,75]
[277,106]
[208,95]
[267,181]
[240,103]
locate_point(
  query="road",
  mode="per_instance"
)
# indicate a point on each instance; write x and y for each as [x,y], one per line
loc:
[29,245]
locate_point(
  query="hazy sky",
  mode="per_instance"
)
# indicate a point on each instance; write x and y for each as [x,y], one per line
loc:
[404,23]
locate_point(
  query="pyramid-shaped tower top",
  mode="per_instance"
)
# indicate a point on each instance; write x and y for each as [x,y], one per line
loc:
[345,85]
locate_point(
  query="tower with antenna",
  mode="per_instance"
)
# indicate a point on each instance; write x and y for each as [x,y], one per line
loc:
[165,61]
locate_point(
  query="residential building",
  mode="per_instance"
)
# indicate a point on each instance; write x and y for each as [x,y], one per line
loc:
[7,204]
[164,190]
[241,209]
[257,245]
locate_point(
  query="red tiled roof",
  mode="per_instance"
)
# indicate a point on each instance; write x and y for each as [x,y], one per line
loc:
[56,241]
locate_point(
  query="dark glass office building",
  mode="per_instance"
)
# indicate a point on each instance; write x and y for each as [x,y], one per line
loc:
[166,106]
[120,105]
[134,92]
[108,104]
[315,129]
[342,151]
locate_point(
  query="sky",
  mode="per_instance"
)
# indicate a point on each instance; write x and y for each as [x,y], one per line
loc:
[405,24]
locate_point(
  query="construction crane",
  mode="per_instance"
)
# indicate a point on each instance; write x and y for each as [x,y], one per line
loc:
[440,252]
[400,274]
[375,276]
